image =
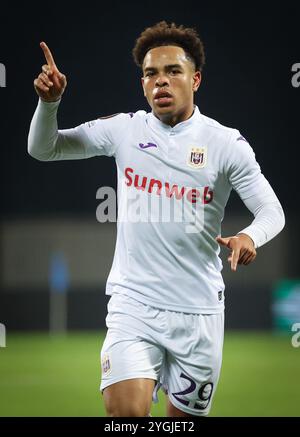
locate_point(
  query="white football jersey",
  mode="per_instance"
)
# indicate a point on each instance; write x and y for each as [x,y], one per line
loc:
[172,264]
[173,186]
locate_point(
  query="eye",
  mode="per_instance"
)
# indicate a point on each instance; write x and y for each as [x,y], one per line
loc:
[149,74]
[174,71]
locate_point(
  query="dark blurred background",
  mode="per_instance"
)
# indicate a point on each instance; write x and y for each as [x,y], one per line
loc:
[48,209]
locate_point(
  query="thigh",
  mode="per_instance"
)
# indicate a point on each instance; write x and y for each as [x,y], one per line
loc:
[173,411]
[125,356]
[193,366]
[129,398]
[131,359]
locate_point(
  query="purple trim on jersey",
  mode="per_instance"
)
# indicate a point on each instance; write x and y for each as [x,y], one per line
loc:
[145,146]
[241,139]
[131,114]
[109,116]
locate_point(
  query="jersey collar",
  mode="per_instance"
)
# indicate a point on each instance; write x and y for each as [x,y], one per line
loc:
[179,127]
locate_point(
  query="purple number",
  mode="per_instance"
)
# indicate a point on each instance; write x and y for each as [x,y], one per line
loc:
[204,393]
[188,390]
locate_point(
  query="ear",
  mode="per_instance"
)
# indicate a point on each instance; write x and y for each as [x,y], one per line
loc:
[142,82]
[196,80]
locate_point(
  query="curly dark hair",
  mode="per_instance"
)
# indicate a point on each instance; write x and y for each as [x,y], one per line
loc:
[162,34]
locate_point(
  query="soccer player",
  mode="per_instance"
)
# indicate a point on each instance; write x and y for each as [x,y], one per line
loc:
[166,312]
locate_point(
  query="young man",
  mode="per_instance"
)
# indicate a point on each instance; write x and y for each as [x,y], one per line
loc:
[165,317]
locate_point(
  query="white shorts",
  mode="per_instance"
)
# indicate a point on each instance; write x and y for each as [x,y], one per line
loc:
[182,352]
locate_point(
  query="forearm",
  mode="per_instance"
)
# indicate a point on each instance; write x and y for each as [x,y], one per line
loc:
[43,132]
[269,219]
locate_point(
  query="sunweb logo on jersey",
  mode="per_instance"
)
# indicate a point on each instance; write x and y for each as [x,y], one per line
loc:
[151,185]
[144,199]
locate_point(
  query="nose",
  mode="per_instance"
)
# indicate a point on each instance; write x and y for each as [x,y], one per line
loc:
[161,81]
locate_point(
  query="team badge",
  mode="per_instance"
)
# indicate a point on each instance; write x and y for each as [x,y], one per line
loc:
[106,364]
[197,157]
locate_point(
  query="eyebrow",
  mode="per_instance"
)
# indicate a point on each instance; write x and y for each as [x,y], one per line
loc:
[167,67]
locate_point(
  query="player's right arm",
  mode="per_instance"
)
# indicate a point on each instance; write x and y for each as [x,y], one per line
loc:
[46,142]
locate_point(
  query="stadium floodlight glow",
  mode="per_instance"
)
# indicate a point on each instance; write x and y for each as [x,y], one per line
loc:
[2,76]
[2,335]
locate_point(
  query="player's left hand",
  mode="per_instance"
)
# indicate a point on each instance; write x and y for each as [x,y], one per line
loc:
[241,247]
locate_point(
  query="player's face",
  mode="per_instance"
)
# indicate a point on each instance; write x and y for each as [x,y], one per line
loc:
[169,82]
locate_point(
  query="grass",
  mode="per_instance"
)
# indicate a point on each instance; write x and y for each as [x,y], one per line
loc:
[59,376]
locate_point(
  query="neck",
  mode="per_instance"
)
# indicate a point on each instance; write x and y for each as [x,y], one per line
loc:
[173,119]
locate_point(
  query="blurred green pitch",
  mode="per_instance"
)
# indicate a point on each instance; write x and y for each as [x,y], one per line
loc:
[59,376]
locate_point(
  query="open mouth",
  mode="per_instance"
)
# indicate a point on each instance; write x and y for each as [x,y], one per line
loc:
[163,98]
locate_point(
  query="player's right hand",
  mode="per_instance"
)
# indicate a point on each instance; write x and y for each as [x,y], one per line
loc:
[51,83]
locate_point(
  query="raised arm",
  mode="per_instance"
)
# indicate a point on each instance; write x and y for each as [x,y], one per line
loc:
[45,141]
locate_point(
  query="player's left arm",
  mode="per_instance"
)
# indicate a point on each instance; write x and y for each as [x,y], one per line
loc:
[245,177]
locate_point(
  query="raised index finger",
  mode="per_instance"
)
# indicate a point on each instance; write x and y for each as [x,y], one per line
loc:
[48,55]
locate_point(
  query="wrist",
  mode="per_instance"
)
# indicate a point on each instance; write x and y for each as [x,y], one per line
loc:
[50,101]
[241,234]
